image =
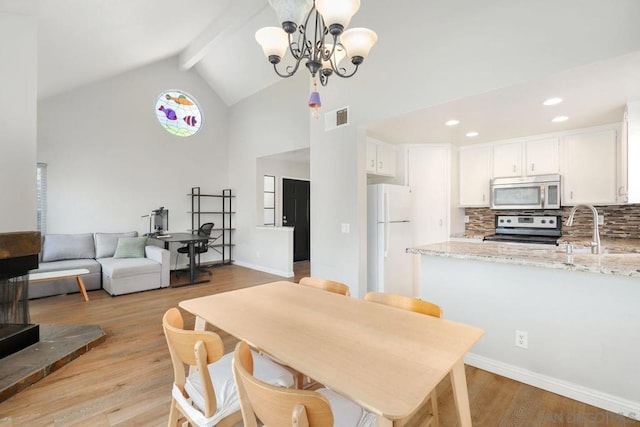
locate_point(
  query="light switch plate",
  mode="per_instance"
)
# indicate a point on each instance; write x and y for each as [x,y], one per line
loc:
[345,228]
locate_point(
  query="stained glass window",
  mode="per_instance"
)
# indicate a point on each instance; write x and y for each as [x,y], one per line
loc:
[178,113]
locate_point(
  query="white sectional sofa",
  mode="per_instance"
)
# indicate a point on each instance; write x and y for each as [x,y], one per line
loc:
[95,252]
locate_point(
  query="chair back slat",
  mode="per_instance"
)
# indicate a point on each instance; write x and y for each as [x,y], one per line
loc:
[406,303]
[183,341]
[276,406]
[327,285]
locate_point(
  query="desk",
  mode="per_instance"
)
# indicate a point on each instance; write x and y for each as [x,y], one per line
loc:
[387,360]
[62,274]
[191,239]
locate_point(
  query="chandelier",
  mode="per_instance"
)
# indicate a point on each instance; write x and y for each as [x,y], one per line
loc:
[314,32]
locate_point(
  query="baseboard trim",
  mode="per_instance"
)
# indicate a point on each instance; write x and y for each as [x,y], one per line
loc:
[577,392]
[264,269]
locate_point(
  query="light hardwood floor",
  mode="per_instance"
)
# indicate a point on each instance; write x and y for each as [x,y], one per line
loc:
[126,381]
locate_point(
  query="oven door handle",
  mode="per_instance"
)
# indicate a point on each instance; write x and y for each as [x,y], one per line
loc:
[543,190]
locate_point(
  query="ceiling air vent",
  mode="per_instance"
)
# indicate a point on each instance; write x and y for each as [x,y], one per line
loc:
[336,118]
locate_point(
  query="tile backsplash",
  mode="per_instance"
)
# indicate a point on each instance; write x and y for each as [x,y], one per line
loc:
[620,221]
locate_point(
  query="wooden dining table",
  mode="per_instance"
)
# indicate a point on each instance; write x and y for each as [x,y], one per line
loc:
[385,359]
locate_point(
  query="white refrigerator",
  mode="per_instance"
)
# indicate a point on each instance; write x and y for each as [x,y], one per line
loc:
[389,234]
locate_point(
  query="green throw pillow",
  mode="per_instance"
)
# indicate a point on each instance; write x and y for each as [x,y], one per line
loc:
[130,247]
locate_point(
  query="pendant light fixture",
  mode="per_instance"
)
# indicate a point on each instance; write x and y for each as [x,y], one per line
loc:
[314,31]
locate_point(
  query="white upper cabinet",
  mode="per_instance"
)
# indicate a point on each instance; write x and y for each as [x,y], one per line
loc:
[629,170]
[541,157]
[589,172]
[526,158]
[507,159]
[381,158]
[475,174]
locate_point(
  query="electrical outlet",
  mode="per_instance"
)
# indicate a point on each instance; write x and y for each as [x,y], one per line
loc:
[600,219]
[466,219]
[522,339]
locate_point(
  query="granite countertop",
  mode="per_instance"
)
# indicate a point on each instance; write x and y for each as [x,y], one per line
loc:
[619,257]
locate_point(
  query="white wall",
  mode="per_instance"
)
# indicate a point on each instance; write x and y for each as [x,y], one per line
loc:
[18,85]
[110,162]
[273,121]
[273,249]
[338,196]
[580,325]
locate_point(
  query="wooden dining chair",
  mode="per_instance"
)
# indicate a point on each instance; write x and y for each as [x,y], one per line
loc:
[406,303]
[418,306]
[207,396]
[276,406]
[326,285]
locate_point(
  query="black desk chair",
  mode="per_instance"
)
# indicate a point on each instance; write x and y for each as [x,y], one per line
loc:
[200,247]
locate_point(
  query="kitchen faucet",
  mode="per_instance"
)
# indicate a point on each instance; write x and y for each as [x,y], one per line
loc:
[595,244]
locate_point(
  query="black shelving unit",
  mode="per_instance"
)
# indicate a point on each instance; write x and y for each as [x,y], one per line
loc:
[221,240]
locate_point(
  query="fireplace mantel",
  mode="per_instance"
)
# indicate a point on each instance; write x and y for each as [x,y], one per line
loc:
[19,243]
[19,252]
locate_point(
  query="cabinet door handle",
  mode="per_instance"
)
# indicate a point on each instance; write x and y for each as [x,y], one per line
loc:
[533,167]
[483,197]
[373,163]
[514,168]
[440,222]
[621,191]
[381,165]
[571,195]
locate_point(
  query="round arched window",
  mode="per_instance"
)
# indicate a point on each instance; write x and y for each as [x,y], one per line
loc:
[178,113]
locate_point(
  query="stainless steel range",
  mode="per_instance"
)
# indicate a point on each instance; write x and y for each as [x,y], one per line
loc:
[544,229]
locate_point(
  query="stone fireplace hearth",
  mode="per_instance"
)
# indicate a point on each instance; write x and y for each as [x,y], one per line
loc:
[29,352]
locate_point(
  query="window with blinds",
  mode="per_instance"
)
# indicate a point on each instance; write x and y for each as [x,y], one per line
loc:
[41,197]
[269,206]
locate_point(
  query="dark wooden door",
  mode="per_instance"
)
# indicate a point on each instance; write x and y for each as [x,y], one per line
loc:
[296,213]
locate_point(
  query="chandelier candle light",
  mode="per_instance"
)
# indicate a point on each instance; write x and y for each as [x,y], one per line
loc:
[321,39]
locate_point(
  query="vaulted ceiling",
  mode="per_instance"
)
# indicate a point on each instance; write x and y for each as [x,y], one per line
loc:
[84,41]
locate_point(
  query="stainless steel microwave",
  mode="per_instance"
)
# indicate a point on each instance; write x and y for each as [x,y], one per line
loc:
[531,192]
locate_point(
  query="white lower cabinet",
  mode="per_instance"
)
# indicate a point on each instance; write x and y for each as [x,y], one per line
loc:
[589,172]
[475,174]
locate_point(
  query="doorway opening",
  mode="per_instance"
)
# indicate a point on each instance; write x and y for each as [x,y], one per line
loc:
[296,212]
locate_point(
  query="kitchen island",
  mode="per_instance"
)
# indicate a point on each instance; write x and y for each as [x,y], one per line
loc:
[618,258]
[581,314]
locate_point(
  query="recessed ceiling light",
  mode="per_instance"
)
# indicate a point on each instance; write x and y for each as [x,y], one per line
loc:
[472,134]
[452,122]
[552,101]
[560,119]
